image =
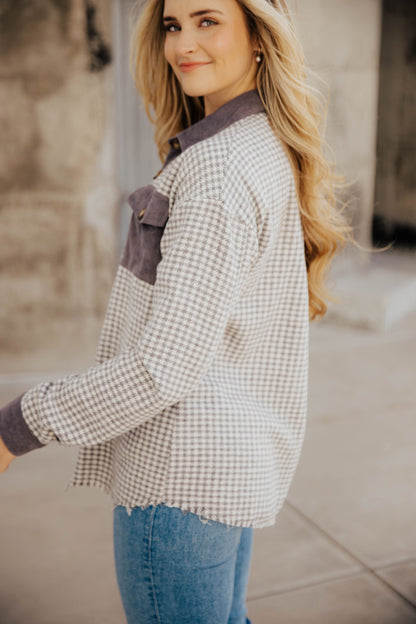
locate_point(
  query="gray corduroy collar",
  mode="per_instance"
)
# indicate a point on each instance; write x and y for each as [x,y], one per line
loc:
[235,109]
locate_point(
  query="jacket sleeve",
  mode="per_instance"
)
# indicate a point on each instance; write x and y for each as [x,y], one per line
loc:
[208,252]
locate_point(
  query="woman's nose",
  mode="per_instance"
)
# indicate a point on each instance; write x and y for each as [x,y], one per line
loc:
[185,42]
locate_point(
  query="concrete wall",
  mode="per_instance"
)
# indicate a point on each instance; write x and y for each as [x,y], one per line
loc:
[396,174]
[58,198]
[341,40]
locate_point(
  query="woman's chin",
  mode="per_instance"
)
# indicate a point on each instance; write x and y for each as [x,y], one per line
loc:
[195,87]
[193,91]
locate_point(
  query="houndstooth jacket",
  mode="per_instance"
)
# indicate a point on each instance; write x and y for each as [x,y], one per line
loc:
[198,396]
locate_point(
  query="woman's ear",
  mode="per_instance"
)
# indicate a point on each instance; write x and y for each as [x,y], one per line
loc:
[256,42]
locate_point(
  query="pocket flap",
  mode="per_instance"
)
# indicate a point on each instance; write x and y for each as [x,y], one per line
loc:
[149,206]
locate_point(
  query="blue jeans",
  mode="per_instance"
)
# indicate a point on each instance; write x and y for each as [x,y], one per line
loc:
[174,568]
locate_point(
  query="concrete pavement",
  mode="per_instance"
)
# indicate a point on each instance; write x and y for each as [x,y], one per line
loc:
[343,549]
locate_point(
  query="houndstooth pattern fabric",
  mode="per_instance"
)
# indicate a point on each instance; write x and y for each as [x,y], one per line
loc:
[199,392]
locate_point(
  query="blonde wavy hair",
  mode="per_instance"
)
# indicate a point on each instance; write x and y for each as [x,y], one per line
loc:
[295,110]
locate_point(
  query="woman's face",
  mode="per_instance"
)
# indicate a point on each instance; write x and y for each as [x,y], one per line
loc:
[208,47]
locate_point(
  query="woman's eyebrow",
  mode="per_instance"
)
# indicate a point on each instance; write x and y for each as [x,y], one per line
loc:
[195,13]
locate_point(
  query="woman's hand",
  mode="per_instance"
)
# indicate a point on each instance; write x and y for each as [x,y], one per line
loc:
[6,457]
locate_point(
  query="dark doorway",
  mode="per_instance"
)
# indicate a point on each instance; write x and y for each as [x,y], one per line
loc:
[395,190]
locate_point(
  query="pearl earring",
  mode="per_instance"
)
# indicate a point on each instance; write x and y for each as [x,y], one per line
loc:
[258,57]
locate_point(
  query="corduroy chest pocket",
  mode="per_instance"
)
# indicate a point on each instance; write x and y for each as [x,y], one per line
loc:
[150,214]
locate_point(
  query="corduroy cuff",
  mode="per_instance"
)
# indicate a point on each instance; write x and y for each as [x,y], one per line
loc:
[14,431]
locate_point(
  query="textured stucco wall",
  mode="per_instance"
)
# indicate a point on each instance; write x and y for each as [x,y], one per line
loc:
[341,40]
[58,199]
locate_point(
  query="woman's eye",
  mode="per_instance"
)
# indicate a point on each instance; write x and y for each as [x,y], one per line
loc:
[168,27]
[208,20]
[172,27]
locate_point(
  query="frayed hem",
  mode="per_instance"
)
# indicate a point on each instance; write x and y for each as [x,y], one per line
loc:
[204,516]
[198,511]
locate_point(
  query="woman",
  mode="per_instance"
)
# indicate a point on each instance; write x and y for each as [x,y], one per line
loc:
[193,417]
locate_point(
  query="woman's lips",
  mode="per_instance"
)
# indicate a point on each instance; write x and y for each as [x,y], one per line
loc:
[186,67]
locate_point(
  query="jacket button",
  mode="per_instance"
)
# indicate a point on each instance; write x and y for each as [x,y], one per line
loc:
[141,213]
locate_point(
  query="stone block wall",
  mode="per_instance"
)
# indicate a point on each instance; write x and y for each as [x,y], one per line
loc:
[58,195]
[341,40]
